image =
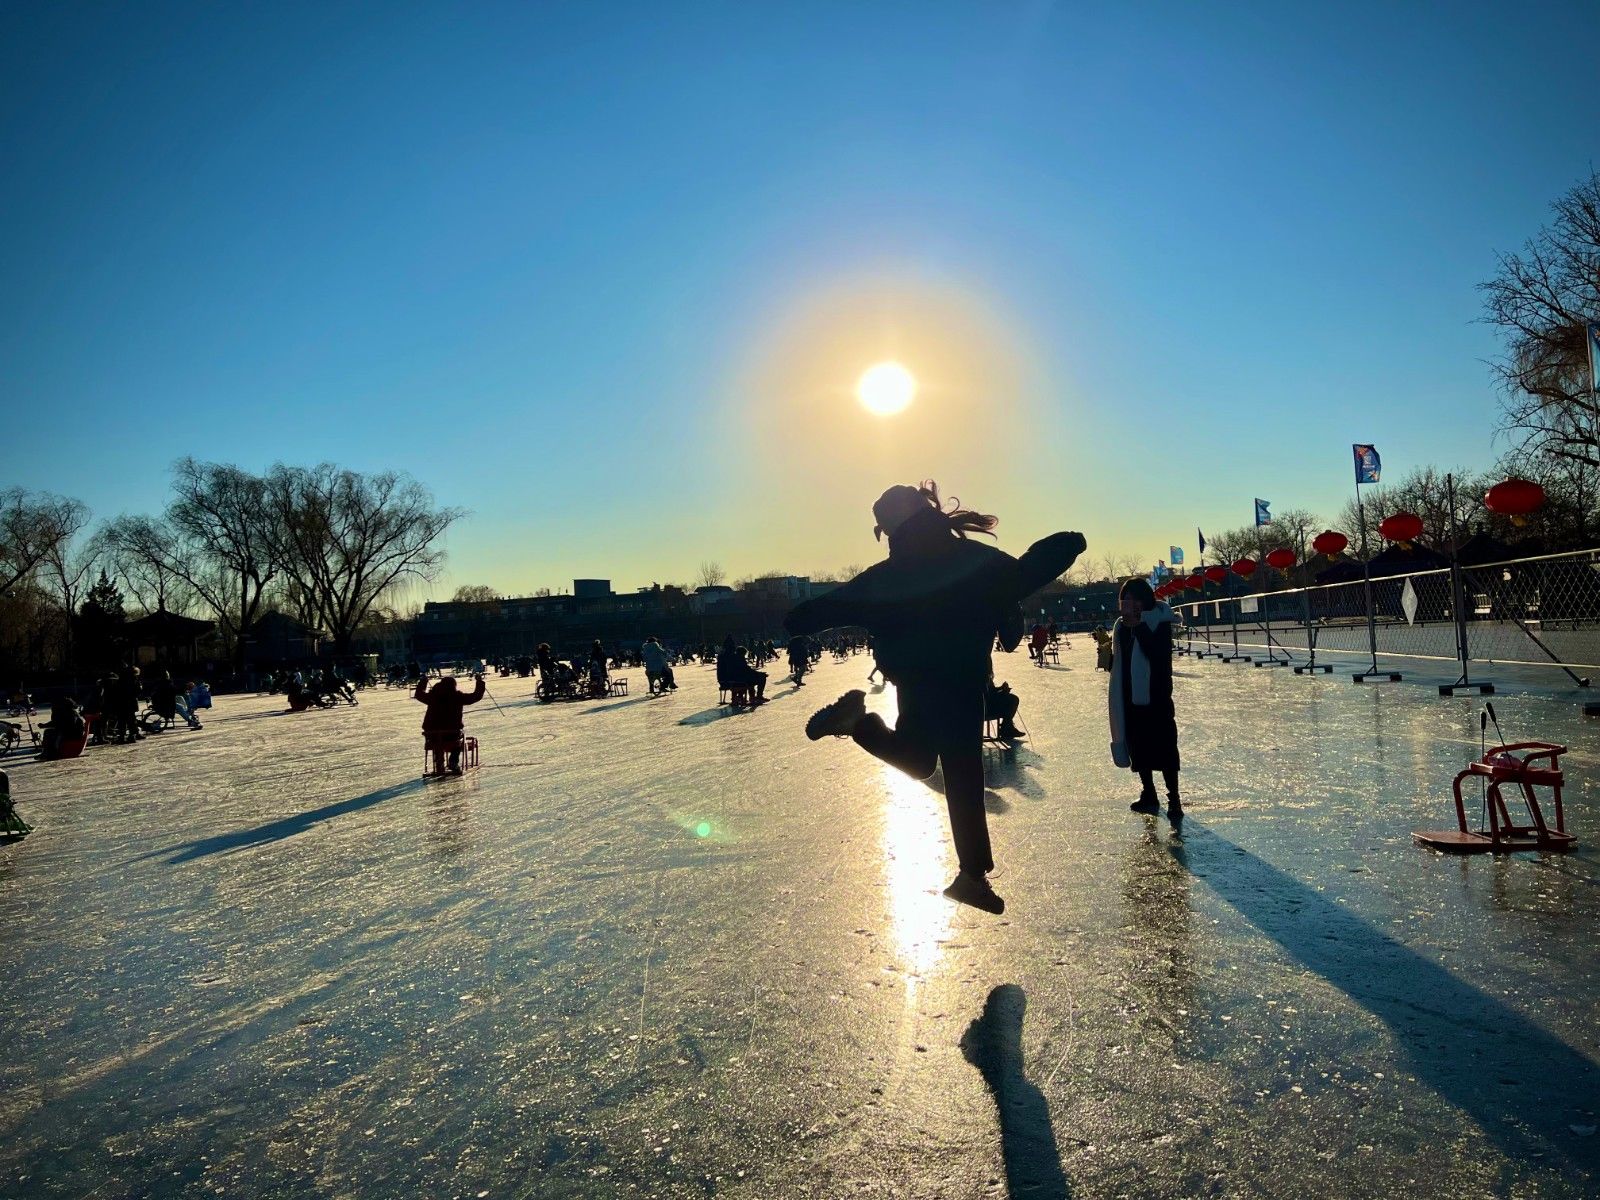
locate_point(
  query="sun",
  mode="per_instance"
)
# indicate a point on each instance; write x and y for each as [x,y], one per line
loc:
[886,389]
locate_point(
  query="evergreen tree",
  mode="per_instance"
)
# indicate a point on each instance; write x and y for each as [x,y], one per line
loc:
[101,619]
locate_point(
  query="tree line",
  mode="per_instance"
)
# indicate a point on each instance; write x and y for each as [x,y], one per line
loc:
[324,544]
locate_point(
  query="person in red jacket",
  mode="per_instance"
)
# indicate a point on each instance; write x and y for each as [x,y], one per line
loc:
[442,724]
[934,610]
[1037,641]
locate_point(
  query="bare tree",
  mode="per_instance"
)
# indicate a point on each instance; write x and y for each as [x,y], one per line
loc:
[711,574]
[474,593]
[146,555]
[1080,574]
[1426,492]
[224,525]
[34,526]
[67,572]
[1294,528]
[1541,300]
[343,539]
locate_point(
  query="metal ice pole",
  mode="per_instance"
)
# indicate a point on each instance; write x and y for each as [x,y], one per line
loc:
[1458,602]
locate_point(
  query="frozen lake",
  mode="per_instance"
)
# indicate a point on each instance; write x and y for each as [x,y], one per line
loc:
[653,949]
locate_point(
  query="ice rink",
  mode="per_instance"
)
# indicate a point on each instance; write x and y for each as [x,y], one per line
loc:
[656,948]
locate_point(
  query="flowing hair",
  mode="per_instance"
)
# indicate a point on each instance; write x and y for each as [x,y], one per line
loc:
[962,521]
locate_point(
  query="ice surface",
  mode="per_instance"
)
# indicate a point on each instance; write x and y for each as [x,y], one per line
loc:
[269,959]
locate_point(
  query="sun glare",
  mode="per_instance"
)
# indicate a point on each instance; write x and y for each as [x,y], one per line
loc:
[886,389]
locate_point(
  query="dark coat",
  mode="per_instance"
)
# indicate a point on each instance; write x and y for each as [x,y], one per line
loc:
[935,606]
[445,706]
[1150,731]
[1157,646]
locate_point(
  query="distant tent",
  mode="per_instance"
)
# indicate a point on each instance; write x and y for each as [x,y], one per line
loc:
[1398,560]
[1346,570]
[1480,548]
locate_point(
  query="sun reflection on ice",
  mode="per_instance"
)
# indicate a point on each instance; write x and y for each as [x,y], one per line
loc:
[916,860]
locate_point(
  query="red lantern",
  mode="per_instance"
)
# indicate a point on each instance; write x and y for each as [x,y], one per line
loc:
[1281,559]
[1330,542]
[1194,583]
[1403,527]
[1244,568]
[1216,574]
[1515,498]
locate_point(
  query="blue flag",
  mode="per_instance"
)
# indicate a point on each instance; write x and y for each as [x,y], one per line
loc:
[1202,539]
[1263,511]
[1175,553]
[1368,465]
[1594,356]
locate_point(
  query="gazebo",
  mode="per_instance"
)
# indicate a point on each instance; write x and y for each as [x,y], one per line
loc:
[168,636]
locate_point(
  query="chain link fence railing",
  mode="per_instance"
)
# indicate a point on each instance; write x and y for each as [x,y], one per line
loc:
[1541,612]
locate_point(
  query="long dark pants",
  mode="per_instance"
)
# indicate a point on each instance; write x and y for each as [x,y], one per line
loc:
[940,726]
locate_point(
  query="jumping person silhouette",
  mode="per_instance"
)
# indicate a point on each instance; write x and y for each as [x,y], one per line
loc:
[934,609]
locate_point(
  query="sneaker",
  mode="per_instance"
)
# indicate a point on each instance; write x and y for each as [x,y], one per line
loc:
[975,890]
[1174,808]
[1145,804]
[1009,732]
[838,719]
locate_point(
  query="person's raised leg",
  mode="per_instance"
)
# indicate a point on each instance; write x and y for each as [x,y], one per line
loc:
[840,718]
[902,747]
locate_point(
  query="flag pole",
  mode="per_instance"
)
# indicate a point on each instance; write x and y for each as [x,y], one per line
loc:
[1372,671]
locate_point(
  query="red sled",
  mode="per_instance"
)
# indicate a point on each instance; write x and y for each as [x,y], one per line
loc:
[1524,765]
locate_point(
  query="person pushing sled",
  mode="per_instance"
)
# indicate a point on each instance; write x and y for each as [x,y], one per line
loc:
[934,609]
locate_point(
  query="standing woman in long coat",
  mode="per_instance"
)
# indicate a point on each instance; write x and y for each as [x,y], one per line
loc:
[1144,726]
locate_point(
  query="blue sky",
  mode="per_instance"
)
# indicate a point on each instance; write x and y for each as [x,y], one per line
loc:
[604,274]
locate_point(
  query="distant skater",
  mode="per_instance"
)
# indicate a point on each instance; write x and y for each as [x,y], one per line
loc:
[734,671]
[934,608]
[800,653]
[1144,727]
[442,724]
[657,665]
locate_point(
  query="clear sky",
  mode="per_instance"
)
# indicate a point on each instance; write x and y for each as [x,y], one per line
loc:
[605,274]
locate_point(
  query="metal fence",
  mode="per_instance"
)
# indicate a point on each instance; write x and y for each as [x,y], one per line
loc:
[1532,611]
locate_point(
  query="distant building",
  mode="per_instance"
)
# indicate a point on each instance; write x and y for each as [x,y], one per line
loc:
[389,640]
[591,589]
[791,588]
[276,637]
[710,598]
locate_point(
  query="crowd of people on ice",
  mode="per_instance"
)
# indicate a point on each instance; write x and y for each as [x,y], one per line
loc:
[930,614]
[111,714]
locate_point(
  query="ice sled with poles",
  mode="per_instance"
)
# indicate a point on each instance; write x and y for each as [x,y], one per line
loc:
[1521,765]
